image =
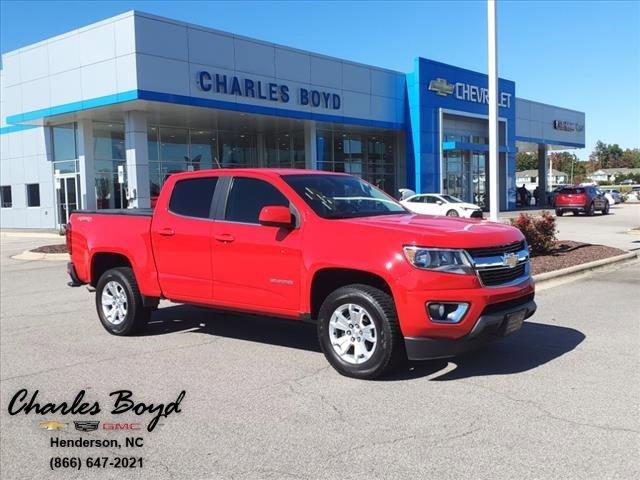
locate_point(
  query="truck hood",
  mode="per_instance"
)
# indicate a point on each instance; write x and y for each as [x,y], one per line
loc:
[438,231]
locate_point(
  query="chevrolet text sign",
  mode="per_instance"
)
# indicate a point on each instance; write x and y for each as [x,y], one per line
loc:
[467,92]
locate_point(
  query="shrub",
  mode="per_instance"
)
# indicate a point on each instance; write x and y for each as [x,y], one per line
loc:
[540,232]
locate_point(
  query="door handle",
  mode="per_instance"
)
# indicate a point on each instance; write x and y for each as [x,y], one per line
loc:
[224,238]
[167,232]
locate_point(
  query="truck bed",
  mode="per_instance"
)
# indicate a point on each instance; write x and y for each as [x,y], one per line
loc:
[125,232]
[142,212]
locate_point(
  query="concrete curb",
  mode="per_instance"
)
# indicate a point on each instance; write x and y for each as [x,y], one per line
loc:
[543,280]
[31,235]
[49,257]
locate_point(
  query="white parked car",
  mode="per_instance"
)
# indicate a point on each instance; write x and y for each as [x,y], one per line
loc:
[437,204]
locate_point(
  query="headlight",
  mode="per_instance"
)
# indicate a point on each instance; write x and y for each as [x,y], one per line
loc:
[438,259]
[470,208]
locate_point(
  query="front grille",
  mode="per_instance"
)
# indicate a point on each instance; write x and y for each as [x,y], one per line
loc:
[496,251]
[507,305]
[476,214]
[499,276]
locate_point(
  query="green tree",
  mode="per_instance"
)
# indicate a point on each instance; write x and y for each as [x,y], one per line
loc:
[526,161]
[605,156]
[630,158]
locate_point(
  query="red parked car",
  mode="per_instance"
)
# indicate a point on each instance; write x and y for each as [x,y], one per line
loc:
[381,283]
[585,199]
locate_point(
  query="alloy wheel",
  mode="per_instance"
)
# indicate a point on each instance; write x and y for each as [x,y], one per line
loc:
[114,302]
[353,333]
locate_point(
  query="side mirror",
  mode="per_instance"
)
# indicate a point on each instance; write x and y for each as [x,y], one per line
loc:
[276,216]
[439,202]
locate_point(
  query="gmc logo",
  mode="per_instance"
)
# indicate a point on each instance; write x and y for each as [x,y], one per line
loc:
[121,426]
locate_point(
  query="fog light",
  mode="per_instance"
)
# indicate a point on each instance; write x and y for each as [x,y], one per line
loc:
[446,312]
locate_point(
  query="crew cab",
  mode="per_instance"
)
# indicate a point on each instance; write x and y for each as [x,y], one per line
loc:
[382,284]
[586,199]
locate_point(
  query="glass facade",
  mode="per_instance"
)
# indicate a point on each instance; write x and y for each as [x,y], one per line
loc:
[64,142]
[173,150]
[370,156]
[285,150]
[109,154]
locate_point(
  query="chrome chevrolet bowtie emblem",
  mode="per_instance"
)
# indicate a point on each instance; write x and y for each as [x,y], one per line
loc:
[510,260]
[441,87]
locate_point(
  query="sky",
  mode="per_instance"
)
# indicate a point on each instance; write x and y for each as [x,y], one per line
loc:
[583,55]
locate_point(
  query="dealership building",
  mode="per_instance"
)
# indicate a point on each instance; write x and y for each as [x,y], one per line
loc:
[99,117]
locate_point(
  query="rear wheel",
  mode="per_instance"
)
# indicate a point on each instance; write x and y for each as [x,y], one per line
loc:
[453,213]
[358,332]
[119,302]
[559,213]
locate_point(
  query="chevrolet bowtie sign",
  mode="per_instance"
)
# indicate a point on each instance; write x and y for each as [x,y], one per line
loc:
[467,92]
[441,87]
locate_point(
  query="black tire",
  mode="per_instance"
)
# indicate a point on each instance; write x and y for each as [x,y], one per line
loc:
[559,213]
[575,213]
[452,213]
[591,209]
[136,316]
[605,210]
[389,349]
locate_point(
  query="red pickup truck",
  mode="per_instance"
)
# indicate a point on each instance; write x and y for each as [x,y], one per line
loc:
[381,283]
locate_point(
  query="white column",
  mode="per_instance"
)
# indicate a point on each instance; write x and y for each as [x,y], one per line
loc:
[87,166]
[310,145]
[135,141]
[493,110]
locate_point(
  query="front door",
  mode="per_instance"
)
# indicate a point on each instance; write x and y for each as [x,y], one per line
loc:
[68,198]
[253,264]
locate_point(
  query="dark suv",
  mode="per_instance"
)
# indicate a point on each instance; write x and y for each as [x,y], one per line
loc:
[581,199]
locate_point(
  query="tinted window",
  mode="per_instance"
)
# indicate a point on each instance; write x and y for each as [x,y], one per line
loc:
[572,191]
[248,196]
[431,199]
[5,196]
[33,195]
[192,197]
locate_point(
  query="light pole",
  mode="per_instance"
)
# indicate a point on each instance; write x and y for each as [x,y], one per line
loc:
[492,44]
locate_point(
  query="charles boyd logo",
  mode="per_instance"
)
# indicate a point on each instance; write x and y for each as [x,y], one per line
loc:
[86,425]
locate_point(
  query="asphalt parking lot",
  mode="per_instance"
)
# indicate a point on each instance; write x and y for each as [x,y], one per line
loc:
[559,399]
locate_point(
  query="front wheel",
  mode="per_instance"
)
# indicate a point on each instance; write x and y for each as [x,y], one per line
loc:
[453,213]
[591,209]
[358,332]
[605,210]
[119,302]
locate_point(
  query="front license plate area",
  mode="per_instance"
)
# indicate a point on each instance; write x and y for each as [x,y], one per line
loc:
[513,322]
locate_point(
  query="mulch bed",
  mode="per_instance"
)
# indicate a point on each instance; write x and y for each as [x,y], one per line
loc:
[62,248]
[568,253]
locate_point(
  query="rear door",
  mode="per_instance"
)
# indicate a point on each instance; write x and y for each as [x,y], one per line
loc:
[181,238]
[255,265]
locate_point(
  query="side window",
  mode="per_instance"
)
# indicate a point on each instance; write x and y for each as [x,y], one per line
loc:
[5,196]
[192,197]
[417,200]
[248,196]
[430,200]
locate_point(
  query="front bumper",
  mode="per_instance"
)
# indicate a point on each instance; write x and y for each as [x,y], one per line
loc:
[490,326]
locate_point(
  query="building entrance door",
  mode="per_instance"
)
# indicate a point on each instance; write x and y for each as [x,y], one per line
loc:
[67,196]
[464,175]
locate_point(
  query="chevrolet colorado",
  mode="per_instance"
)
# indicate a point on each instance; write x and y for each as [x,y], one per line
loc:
[381,283]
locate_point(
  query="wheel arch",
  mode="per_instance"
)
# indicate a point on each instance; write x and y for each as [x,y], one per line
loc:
[103,261]
[328,279]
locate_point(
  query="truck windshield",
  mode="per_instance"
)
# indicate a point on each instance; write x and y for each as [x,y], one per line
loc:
[342,196]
